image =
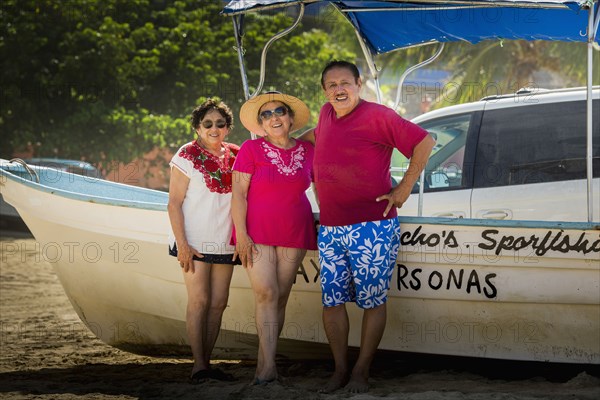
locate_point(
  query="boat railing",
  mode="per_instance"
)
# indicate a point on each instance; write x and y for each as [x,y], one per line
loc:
[30,170]
[81,187]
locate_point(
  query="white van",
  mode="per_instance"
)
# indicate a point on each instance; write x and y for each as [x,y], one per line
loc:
[514,157]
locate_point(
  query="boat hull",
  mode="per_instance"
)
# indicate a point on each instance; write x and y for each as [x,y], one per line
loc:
[507,290]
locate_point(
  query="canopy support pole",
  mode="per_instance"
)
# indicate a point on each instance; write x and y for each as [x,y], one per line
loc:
[596,23]
[263,57]
[371,63]
[410,70]
[397,103]
[238,26]
[589,119]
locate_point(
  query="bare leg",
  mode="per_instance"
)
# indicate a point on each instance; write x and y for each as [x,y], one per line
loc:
[335,320]
[220,279]
[373,325]
[288,262]
[263,278]
[198,291]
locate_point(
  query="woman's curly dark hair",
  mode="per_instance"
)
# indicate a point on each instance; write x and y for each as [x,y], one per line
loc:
[212,103]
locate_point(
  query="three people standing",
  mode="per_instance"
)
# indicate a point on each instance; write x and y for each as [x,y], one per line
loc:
[358,240]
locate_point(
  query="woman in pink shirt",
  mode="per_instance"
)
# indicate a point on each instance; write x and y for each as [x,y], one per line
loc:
[272,215]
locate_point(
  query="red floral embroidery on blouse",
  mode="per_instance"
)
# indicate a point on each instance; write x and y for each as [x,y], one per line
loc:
[217,173]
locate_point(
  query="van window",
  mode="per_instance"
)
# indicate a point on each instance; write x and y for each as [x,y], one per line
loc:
[445,167]
[535,143]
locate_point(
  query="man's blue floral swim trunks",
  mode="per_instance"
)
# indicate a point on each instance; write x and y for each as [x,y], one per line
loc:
[357,262]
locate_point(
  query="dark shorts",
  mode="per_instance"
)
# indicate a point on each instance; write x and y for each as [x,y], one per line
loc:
[209,258]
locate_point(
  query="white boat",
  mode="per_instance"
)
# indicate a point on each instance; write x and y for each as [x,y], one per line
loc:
[520,290]
[508,289]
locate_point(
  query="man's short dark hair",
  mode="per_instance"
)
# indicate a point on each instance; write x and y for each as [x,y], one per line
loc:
[340,64]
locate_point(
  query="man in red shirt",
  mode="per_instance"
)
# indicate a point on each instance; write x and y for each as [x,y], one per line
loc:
[359,233]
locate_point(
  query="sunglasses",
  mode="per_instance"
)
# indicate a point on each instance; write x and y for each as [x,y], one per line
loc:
[268,114]
[209,124]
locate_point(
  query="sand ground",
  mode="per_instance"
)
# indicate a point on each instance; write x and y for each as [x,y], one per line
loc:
[46,352]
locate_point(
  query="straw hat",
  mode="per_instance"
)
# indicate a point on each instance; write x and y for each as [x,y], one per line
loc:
[249,111]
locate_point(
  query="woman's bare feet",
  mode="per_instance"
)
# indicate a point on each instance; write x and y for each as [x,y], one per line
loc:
[265,376]
[359,380]
[337,381]
[358,385]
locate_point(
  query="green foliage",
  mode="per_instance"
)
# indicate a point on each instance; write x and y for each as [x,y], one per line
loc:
[98,79]
[108,80]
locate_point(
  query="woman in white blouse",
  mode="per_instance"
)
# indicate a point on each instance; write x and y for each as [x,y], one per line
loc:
[200,214]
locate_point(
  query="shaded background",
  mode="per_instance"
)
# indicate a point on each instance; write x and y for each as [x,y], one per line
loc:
[113,82]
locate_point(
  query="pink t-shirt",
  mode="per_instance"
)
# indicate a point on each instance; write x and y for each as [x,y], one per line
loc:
[352,161]
[279,213]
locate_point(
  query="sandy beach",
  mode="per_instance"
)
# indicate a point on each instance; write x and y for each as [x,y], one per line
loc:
[46,352]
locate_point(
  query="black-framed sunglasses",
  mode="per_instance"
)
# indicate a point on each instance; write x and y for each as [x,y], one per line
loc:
[209,124]
[268,114]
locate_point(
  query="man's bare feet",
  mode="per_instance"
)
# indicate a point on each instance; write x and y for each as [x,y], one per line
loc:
[337,381]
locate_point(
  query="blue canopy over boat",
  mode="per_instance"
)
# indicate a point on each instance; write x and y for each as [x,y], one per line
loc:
[387,25]
[392,24]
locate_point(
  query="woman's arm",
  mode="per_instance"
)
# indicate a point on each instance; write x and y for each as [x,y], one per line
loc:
[239,209]
[178,187]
